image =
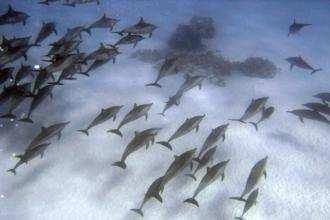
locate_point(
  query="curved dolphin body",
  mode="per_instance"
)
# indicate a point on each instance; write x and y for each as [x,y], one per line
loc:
[309,114]
[137,112]
[207,157]
[168,68]
[104,116]
[324,96]
[180,162]
[319,107]
[47,133]
[153,192]
[172,101]
[212,175]
[29,155]
[296,27]
[46,30]
[249,202]
[266,113]
[257,171]
[188,125]
[255,107]
[13,17]
[301,63]
[103,22]
[213,138]
[144,138]
[140,28]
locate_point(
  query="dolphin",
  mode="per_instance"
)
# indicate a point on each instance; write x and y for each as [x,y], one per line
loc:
[13,17]
[319,107]
[266,113]
[103,22]
[324,96]
[10,91]
[153,192]
[190,82]
[47,133]
[143,138]
[96,64]
[296,27]
[211,175]
[67,74]
[15,53]
[257,171]
[301,63]
[309,114]
[130,39]
[140,28]
[103,53]
[255,107]
[46,30]
[102,117]
[249,202]
[169,67]
[15,42]
[173,100]
[180,162]
[188,125]
[73,3]
[207,157]
[63,48]
[137,112]
[42,94]
[64,62]
[29,155]
[6,74]
[214,137]
[23,72]
[42,77]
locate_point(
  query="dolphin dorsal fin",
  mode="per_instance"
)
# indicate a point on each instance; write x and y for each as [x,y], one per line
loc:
[141,21]
[102,45]
[135,105]
[10,9]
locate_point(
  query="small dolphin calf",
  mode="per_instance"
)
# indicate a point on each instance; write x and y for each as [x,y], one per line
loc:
[179,164]
[130,39]
[173,100]
[257,171]
[309,114]
[324,96]
[47,133]
[153,192]
[266,113]
[104,115]
[249,202]
[213,138]
[255,107]
[140,28]
[301,63]
[188,125]
[168,68]
[190,82]
[137,112]
[212,175]
[207,157]
[296,27]
[140,139]
[13,17]
[103,22]
[46,30]
[319,107]
[29,155]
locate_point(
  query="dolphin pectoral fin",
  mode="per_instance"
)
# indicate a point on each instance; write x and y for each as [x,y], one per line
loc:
[85,131]
[255,125]
[238,199]
[158,197]
[315,70]
[192,201]
[223,137]
[265,174]
[197,128]
[301,119]
[222,177]
[42,155]
[59,135]
[147,145]
[165,144]
[116,131]
[191,176]
[146,117]
[139,211]
[120,164]
[154,84]
[13,171]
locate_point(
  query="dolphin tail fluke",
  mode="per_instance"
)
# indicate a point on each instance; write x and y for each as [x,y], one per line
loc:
[85,131]
[120,164]
[238,199]
[192,201]
[116,131]
[316,70]
[192,176]
[139,211]
[165,144]
[8,115]
[154,84]
[27,120]
[255,125]
[239,120]
[13,171]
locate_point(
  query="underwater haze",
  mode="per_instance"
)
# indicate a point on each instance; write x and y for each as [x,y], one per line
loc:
[75,178]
